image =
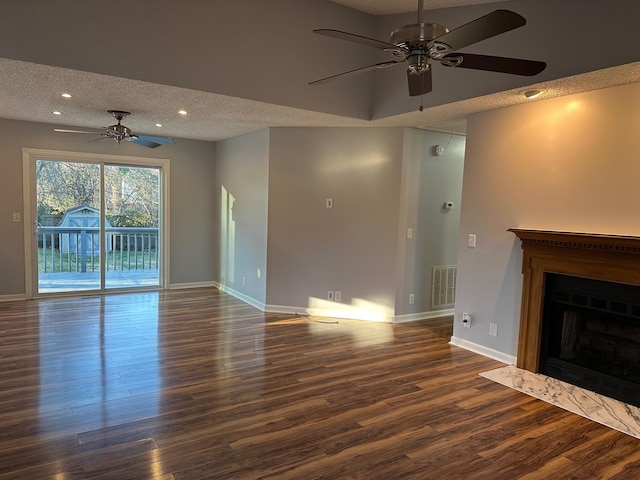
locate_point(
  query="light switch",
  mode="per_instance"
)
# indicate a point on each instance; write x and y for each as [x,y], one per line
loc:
[16,217]
[472,240]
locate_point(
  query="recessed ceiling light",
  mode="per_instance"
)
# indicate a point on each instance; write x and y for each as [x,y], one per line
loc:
[158,125]
[66,95]
[535,93]
[57,113]
[182,112]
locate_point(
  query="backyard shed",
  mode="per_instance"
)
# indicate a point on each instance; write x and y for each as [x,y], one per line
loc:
[80,226]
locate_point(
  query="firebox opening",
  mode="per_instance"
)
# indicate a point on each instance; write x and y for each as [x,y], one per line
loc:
[591,335]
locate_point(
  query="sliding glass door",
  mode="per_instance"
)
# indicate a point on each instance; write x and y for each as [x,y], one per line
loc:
[68,226]
[132,213]
[97,224]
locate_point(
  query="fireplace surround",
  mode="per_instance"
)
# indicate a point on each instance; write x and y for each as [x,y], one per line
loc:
[610,258]
[591,335]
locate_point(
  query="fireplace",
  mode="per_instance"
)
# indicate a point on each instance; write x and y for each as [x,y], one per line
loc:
[591,335]
[581,309]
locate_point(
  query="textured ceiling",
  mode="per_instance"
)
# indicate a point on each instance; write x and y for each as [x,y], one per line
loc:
[31,92]
[387,7]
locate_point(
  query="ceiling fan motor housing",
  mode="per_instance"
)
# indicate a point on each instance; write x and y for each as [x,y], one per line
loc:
[416,39]
[417,35]
[119,132]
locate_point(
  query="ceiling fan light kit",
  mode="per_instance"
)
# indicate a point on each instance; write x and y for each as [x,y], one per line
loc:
[419,43]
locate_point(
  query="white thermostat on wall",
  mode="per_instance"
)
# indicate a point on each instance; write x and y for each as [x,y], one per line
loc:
[449,205]
[438,150]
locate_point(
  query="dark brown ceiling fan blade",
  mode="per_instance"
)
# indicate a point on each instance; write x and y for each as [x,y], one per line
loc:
[352,37]
[357,71]
[514,66]
[419,83]
[487,26]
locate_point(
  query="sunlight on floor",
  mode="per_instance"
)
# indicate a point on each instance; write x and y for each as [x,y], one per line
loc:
[358,309]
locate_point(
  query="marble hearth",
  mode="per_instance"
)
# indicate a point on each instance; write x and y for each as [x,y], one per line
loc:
[604,410]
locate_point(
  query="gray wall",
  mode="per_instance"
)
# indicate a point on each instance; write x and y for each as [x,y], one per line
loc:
[381,180]
[428,181]
[242,170]
[287,246]
[352,247]
[568,164]
[191,208]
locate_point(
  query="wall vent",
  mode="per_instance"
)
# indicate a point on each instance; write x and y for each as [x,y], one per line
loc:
[443,286]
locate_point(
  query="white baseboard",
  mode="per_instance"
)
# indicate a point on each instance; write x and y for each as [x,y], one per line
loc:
[482,350]
[285,309]
[241,296]
[180,286]
[333,312]
[13,298]
[356,315]
[413,317]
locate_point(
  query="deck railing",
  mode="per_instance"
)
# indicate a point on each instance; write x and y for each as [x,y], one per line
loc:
[77,249]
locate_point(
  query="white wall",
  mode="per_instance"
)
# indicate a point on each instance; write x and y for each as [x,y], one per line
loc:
[569,163]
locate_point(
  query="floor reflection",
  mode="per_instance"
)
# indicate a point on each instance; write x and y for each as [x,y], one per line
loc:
[96,356]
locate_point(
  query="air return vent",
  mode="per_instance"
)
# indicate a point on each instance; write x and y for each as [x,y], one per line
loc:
[443,286]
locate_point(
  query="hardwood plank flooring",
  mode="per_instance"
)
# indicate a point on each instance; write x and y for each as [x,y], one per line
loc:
[194,384]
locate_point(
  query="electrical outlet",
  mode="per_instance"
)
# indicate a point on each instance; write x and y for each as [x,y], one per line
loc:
[493,329]
[412,298]
[409,232]
[466,320]
[330,295]
[16,217]
[471,242]
[244,281]
[337,296]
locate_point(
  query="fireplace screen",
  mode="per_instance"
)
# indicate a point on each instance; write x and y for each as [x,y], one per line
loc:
[591,335]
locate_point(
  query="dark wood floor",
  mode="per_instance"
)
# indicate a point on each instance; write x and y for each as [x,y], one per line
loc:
[197,385]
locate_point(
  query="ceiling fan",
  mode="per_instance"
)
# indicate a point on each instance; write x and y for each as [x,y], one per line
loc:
[419,43]
[119,132]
